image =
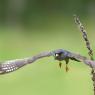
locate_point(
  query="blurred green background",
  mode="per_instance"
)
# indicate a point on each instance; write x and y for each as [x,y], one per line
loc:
[28,27]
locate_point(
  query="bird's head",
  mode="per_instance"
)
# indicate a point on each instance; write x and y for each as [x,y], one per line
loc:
[60,54]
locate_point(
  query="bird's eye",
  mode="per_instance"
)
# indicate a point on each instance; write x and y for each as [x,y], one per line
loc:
[56,55]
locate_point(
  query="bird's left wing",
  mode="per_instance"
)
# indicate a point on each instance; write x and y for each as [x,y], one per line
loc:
[77,57]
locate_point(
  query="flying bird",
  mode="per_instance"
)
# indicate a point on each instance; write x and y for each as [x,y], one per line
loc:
[59,54]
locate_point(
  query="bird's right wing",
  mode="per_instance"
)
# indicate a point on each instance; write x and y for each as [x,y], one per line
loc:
[12,65]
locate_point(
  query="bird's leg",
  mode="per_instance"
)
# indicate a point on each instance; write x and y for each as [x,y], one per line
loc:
[66,68]
[60,64]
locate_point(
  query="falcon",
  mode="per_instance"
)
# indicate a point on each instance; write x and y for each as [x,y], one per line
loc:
[59,54]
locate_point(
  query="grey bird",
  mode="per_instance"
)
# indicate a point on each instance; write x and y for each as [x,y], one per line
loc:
[59,54]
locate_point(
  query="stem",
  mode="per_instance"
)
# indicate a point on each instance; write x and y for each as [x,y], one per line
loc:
[90,51]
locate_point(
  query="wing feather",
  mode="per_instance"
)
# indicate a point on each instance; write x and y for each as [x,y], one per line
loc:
[12,65]
[76,57]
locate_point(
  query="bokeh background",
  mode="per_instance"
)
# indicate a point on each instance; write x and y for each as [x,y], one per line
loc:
[28,27]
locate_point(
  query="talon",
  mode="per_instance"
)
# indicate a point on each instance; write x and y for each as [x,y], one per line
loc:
[60,64]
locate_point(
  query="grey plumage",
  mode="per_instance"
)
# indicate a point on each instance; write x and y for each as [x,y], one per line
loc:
[12,65]
[64,54]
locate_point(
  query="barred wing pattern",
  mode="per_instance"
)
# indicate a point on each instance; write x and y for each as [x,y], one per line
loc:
[12,65]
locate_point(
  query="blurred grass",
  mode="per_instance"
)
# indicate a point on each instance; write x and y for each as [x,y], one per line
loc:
[44,77]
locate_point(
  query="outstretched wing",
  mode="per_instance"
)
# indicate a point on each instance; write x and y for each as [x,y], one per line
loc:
[12,65]
[76,57]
